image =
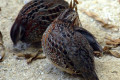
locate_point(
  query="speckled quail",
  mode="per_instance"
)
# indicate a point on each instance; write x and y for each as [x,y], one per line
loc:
[34,18]
[67,48]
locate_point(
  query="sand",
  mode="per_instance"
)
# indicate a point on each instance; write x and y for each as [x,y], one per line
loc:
[107,67]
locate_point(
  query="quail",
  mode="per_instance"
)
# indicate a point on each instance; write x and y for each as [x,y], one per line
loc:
[34,18]
[67,47]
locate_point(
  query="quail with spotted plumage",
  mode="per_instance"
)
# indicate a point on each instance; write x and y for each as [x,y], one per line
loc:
[68,47]
[34,18]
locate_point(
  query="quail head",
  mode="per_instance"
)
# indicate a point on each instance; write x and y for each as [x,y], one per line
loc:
[67,47]
[34,18]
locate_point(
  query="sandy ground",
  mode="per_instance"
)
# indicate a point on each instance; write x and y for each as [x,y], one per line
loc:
[107,67]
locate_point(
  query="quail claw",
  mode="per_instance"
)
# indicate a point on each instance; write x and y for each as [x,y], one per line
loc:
[98,54]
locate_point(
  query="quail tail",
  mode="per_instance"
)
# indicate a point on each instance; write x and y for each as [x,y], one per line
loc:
[91,39]
[90,75]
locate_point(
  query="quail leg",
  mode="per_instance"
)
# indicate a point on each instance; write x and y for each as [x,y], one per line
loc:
[33,56]
[36,55]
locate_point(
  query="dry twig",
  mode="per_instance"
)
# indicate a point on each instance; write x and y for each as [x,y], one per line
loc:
[31,57]
[97,18]
[107,50]
[112,44]
[115,42]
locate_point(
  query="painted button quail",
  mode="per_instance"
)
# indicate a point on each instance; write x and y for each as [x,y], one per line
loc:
[34,18]
[67,48]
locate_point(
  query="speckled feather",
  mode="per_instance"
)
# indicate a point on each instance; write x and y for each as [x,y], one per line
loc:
[67,48]
[34,18]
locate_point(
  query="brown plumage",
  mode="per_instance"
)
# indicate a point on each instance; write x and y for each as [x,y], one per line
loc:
[67,47]
[34,18]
